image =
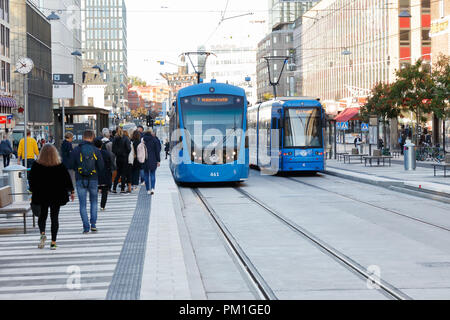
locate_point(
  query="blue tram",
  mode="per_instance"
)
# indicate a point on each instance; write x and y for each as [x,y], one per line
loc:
[287,135]
[208,127]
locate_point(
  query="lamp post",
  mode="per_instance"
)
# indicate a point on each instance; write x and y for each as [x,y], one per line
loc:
[24,66]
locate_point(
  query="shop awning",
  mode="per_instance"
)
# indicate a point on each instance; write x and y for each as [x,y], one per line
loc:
[348,114]
[8,102]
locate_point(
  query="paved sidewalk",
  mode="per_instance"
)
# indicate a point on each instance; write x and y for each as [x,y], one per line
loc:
[422,177]
[142,251]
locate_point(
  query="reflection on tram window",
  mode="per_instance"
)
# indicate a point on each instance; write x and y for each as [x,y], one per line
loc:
[303,128]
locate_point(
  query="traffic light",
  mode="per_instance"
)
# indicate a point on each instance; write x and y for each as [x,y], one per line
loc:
[150,121]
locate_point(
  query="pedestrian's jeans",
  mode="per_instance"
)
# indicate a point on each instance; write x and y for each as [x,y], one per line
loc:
[83,188]
[150,177]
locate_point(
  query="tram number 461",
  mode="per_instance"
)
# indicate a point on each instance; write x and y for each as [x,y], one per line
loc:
[215,174]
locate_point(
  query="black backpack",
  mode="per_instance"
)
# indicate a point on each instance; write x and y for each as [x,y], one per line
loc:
[87,161]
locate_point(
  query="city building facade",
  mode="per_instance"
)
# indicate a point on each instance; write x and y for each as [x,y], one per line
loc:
[283,41]
[349,46]
[278,43]
[7,102]
[31,37]
[440,45]
[234,65]
[440,28]
[66,46]
[104,42]
[286,11]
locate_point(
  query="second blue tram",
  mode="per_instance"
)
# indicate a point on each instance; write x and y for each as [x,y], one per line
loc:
[208,134]
[287,135]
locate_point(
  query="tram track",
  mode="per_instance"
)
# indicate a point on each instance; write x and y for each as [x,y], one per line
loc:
[387,289]
[370,204]
[263,289]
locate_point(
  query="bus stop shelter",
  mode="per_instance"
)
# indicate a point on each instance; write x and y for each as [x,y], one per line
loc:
[102,120]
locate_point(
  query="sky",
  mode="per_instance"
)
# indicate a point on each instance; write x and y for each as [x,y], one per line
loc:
[163,29]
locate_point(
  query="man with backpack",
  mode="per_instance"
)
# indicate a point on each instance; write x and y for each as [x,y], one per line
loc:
[87,162]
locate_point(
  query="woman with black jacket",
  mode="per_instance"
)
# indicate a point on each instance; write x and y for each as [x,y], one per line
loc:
[121,148]
[137,167]
[50,184]
[104,177]
[153,146]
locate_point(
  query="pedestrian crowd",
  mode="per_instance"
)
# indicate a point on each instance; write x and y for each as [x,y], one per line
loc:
[96,165]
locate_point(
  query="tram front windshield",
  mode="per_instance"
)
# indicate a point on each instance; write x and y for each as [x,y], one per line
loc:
[213,118]
[303,128]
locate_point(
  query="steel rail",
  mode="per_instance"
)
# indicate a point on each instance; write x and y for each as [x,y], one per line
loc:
[258,281]
[371,204]
[386,287]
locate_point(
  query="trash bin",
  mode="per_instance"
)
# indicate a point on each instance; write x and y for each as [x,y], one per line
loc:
[410,156]
[17,179]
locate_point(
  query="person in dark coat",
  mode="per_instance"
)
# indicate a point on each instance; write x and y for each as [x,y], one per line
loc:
[121,148]
[137,167]
[105,176]
[167,148]
[6,150]
[50,184]
[66,149]
[153,161]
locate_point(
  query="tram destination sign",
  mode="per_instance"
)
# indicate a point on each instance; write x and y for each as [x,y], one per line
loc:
[213,100]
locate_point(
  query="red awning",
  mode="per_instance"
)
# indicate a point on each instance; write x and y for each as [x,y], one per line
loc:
[348,114]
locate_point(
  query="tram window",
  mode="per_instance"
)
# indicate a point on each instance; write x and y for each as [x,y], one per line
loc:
[303,128]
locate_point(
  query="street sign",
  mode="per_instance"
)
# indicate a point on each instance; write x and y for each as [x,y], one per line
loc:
[364,127]
[2,119]
[63,91]
[342,125]
[63,79]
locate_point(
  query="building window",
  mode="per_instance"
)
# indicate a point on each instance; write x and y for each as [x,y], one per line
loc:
[404,4]
[405,37]
[426,6]
[426,40]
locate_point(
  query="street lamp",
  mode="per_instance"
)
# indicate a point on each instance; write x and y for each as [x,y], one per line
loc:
[346,52]
[77,53]
[53,16]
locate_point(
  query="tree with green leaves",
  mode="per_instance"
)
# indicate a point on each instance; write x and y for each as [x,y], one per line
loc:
[440,90]
[381,104]
[413,91]
[137,82]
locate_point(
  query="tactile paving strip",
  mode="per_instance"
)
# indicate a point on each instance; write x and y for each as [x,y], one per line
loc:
[127,278]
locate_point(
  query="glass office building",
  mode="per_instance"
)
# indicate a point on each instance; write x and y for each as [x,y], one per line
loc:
[105,45]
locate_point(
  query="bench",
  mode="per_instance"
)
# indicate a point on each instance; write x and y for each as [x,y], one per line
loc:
[443,166]
[378,158]
[377,155]
[340,155]
[350,156]
[8,207]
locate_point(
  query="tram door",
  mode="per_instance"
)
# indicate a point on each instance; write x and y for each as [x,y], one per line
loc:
[330,139]
[276,139]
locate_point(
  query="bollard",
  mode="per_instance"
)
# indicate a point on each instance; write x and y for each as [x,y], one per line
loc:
[410,156]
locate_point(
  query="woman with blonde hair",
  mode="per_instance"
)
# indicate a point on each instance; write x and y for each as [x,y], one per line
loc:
[50,185]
